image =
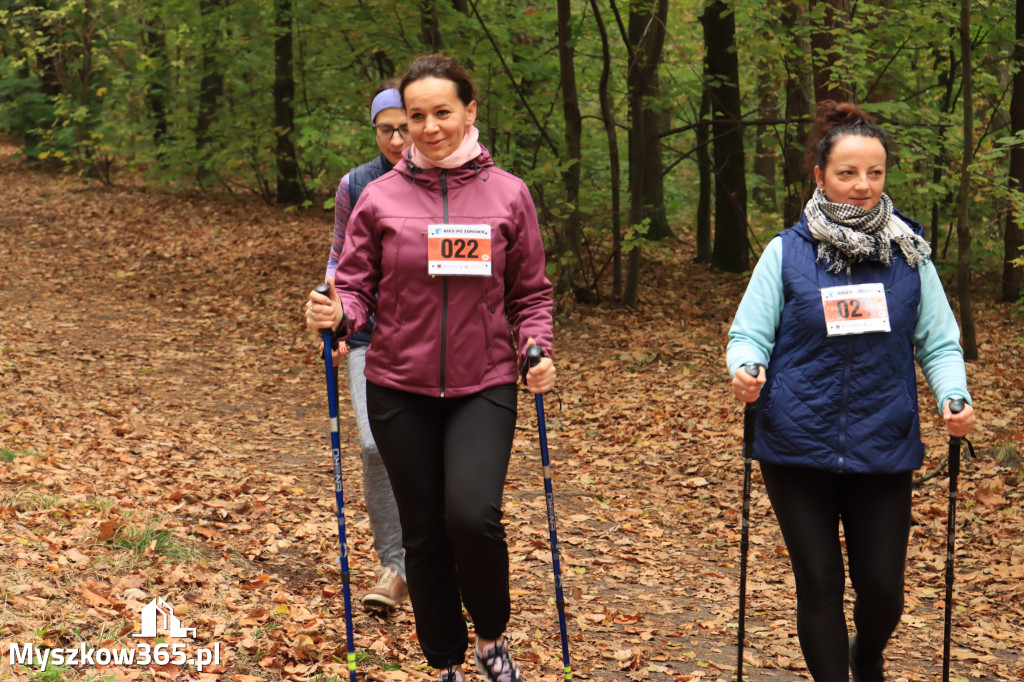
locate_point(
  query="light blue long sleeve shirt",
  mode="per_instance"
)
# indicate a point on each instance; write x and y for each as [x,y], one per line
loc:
[936,334]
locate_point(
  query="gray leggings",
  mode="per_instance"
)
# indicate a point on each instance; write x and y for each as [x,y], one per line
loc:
[380,500]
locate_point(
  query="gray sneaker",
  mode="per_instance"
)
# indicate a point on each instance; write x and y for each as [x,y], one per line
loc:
[388,592]
[496,665]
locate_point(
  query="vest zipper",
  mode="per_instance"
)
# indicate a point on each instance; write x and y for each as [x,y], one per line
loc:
[845,401]
[444,284]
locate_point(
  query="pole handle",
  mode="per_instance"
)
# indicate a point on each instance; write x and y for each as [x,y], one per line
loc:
[324,289]
[533,354]
[956,405]
[753,369]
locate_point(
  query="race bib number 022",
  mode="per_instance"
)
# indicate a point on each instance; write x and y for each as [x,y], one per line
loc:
[855,309]
[459,250]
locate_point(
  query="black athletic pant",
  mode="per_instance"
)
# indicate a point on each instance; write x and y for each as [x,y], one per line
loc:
[875,513]
[447,459]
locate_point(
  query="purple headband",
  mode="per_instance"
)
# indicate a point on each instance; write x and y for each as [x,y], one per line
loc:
[385,99]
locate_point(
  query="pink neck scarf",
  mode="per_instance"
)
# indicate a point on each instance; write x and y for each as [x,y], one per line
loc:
[468,150]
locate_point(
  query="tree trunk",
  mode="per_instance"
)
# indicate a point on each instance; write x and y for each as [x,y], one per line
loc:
[703,219]
[947,80]
[85,71]
[1013,240]
[573,132]
[430,30]
[731,247]
[211,86]
[101,162]
[154,40]
[765,151]
[829,82]
[630,291]
[608,118]
[289,186]
[798,106]
[647,19]
[963,223]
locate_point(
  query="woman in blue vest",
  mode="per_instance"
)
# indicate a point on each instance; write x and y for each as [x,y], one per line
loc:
[837,310]
[387,116]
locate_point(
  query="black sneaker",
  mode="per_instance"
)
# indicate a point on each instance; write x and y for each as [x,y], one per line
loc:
[495,664]
[865,672]
[451,675]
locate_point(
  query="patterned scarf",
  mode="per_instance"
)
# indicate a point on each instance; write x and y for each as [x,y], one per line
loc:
[849,234]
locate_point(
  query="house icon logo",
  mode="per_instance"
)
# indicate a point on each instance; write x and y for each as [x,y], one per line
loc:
[158,610]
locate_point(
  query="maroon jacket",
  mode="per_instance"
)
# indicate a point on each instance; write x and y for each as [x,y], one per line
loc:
[445,336]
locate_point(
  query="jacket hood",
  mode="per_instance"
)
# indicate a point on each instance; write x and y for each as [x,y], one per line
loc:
[429,177]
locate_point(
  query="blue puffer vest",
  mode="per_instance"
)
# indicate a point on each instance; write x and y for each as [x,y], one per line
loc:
[358,179]
[843,403]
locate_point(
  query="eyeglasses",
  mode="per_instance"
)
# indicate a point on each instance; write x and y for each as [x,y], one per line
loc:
[386,132]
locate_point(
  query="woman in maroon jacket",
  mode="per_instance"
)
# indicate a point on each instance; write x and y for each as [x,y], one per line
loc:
[447,251]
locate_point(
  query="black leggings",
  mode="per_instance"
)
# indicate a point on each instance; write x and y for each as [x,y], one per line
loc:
[447,459]
[875,513]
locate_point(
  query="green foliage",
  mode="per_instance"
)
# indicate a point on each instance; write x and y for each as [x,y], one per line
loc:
[27,106]
[8,455]
[635,236]
[151,537]
[51,674]
[904,65]
[113,86]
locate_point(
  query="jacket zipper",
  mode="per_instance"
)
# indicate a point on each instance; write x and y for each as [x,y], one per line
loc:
[444,285]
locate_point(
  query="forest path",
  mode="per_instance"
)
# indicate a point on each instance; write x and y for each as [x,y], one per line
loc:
[157,377]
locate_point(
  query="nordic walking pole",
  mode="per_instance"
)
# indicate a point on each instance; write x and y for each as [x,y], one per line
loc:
[331,343]
[749,415]
[955,405]
[534,354]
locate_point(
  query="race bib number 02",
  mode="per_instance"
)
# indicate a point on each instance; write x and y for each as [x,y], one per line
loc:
[855,309]
[459,250]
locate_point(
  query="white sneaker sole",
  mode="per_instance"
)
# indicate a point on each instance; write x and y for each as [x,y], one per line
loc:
[377,601]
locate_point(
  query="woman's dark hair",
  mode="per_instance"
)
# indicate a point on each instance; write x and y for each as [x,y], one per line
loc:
[834,121]
[389,84]
[440,66]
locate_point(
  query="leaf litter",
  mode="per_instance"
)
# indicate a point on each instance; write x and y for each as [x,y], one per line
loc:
[163,432]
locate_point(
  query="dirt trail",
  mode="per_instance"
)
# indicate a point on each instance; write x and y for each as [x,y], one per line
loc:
[152,352]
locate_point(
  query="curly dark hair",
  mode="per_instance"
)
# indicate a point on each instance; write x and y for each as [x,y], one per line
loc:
[835,120]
